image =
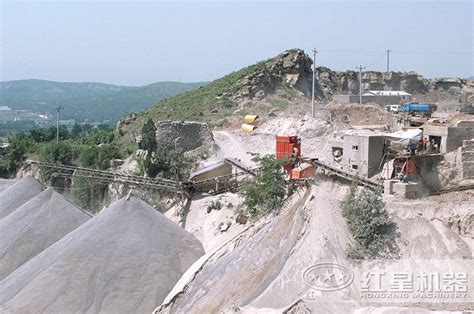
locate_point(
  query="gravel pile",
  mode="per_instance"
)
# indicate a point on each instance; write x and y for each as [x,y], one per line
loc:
[5,183]
[34,226]
[124,260]
[17,194]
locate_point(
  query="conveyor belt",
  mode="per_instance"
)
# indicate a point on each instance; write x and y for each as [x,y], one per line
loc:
[347,176]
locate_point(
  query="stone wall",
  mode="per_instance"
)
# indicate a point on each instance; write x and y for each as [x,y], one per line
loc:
[185,135]
[467,159]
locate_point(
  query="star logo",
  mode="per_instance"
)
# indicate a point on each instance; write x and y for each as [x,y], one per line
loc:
[327,276]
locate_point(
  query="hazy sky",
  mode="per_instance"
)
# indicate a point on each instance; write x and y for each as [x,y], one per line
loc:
[136,43]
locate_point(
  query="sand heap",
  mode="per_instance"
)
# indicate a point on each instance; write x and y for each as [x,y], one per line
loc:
[19,193]
[34,226]
[124,260]
[6,183]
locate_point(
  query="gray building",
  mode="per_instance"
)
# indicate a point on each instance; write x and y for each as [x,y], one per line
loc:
[378,97]
[449,137]
[363,153]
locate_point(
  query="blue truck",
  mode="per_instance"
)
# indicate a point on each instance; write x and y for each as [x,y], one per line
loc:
[416,109]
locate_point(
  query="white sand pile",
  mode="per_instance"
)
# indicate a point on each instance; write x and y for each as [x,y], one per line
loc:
[34,226]
[18,194]
[124,260]
[6,183]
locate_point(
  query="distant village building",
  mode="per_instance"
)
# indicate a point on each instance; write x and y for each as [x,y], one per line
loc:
[5,108]
[376,96]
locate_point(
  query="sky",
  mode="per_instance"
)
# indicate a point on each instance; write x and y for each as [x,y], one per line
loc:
[139,42]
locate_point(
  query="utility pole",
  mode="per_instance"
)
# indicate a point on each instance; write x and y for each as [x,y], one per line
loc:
[314,74]
[388,60]
[360,82]
[58,108]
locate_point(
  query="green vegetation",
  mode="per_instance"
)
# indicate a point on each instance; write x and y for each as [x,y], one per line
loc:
[149,142]
[165,163]
[369,223]
[196,105]
[60,152]
[12,157]
[92,101]
[267,190]
[215,205]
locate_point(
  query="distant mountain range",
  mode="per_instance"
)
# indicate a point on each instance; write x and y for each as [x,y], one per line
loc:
[95,102]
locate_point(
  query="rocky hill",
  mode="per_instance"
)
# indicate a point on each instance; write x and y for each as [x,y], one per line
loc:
[279,82]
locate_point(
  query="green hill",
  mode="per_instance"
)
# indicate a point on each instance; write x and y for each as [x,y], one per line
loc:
[266,86]
[95,102]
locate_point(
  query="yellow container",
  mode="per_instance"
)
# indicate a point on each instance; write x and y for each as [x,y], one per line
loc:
[250,118]
[247,127]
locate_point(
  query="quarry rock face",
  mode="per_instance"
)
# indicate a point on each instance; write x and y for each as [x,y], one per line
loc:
[290,69]
[184,135]
[331,82]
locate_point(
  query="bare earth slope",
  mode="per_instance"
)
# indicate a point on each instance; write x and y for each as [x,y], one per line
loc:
[124,260]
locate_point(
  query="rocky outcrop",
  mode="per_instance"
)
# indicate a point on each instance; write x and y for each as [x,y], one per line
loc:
[330,82]
[291,69]
[185,135]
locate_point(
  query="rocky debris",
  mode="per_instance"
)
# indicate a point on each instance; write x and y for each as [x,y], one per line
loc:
[241,218]
[114,163]
[18,194]
[34,226]
[183,135]
[124,260]
[128,119]
[225,226]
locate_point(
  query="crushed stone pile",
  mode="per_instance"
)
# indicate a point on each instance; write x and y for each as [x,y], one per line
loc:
[124,260]
[34,226]
[17,194]
[6,183]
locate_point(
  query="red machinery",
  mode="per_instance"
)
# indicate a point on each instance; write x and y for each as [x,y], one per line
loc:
[289,148]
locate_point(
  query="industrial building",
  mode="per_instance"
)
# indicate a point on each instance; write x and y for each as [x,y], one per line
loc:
[376,96]
[362,153]
[448,137]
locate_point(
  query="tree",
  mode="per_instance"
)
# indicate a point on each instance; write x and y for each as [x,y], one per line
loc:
[149,142]
[267,191]
[76,131]
[15,154]
[40,135]
[61,153]
[369,223]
